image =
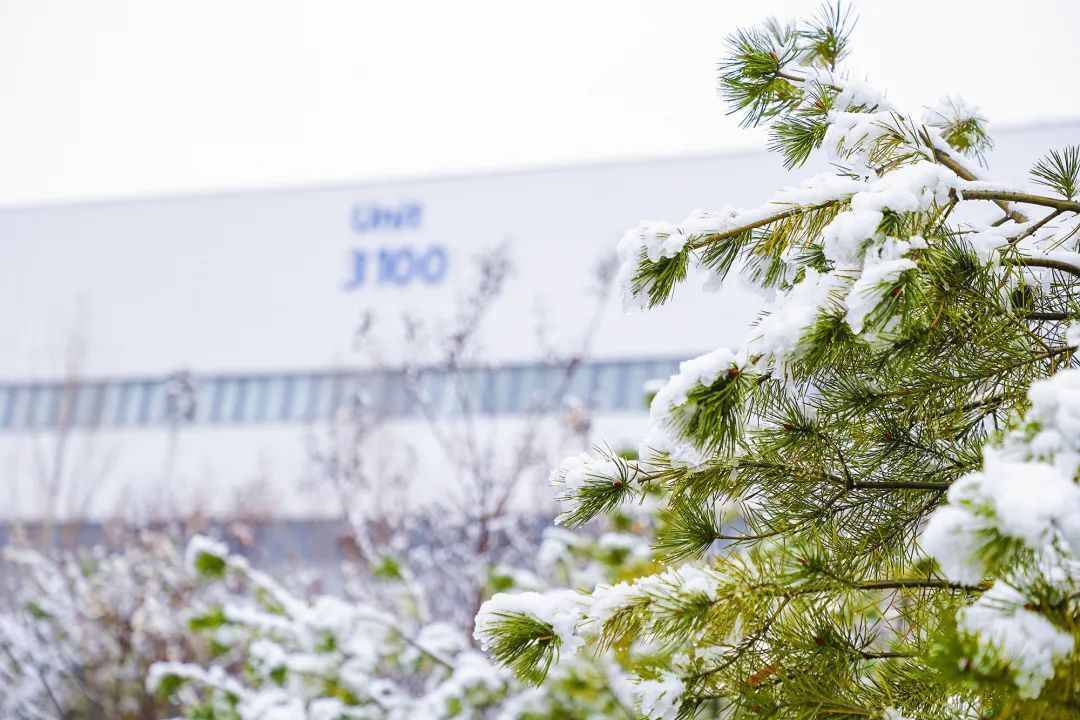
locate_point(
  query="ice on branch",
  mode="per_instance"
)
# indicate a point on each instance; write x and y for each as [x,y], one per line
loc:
[882,268]
[663,245]
[911,188]
[1055,418]
[577,471]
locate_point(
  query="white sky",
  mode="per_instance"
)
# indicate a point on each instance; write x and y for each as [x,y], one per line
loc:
[109,98]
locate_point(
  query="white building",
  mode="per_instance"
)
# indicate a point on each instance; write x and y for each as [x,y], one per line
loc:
[254,298]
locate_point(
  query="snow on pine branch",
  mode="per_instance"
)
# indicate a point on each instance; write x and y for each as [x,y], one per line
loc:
[1025,491]
[907,307]
[1024,498]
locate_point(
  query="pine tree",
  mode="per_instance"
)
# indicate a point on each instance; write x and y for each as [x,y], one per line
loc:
[873,503]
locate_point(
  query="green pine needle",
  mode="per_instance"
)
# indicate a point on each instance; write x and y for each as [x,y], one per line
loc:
[1059,170]
[658,279]
[525,645]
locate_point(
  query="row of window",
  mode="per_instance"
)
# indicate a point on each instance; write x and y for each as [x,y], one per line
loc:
[308,397]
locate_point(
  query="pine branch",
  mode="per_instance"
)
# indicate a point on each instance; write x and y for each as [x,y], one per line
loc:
[899,485]
[1049,316]
[784,214]
[1019,196]
[887,655]
[1035,227]
[1048,263]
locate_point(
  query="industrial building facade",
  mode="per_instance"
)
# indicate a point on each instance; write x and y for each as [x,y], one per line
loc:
[230,319]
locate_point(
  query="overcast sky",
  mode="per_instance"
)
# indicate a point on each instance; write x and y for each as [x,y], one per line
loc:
[104,98]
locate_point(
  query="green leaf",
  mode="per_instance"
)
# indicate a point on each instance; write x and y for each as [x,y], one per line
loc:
[209,566]
[388,568]
[209,620]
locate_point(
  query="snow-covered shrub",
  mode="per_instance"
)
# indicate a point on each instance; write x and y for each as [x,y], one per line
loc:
[891,456]
[277,655]
[400,642]
[79,631]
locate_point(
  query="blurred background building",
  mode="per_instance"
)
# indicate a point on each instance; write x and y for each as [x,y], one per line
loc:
[174,345]
[175,356]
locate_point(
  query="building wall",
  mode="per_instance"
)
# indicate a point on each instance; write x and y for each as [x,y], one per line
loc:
[253,300]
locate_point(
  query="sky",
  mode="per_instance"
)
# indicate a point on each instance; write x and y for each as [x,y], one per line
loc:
[113,99]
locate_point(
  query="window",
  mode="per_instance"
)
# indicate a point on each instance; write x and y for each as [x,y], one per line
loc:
[620,399]
[308,393]
[432,388]
[85,405]
[7,405]
[219,399]
[486,382]
[148,399]
[125,393]
[240,410]
[288,393]
[511,380]
[335,393]
[110,395]
[322,390]
[205,390]
[603,385]
[309,397]
[393,402]
[260,404]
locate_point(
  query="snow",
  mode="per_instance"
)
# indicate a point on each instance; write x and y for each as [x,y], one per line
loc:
[703,370]
[909,188]
[862,259]
[472,670]
[607,600]
[856,93]
[819,189]
[864,295]
[781,330]
[1029,501]
[579,470]
[561,609]
[1024,639]
[1032,501]
[1072,334]
[951,108]
[1055,408]
[203,545]
[953,536]
[659,699]
[442,638]
[657,240]
[849,130]
[1026,490]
